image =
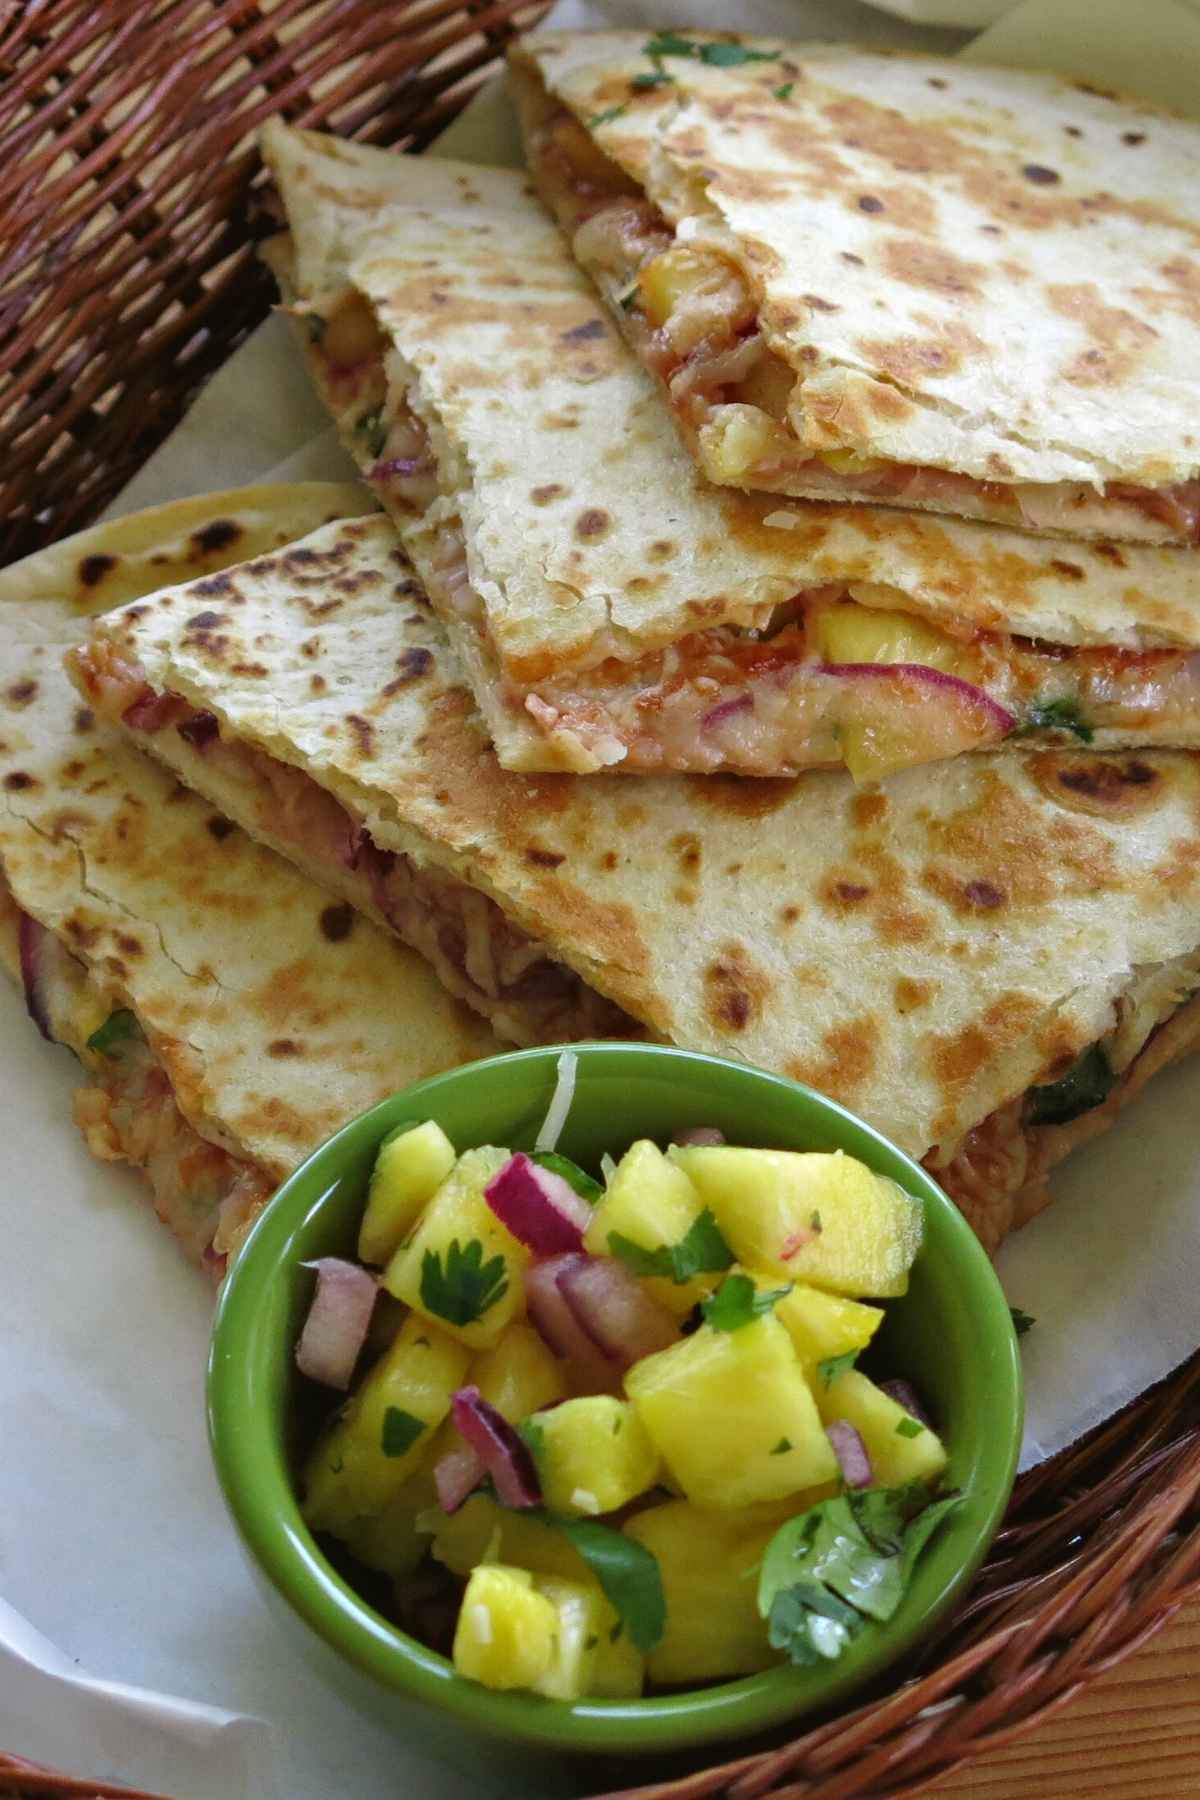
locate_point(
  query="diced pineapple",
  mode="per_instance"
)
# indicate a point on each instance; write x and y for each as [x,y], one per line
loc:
[732,1415]
[379,1438]
[849,633]
[822,1325]
[460,1267]
[736,440]
[392,1540]
[481,1529]
[506,1630]
[650,1201]
[849,462]
[518,1375]
[811,1216]
[707,1562]
[898,1453]
[412,1164]
[581,1611]
[593,1455]
[686,272]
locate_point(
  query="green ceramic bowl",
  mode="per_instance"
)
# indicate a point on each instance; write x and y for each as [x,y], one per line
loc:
[951,1335]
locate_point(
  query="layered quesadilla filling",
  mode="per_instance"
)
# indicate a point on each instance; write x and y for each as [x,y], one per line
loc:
[126,1109]
[689,313]
[830,679]
[476,950]
[997,1172]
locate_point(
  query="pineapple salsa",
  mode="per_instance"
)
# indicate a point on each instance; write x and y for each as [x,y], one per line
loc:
[616,1435]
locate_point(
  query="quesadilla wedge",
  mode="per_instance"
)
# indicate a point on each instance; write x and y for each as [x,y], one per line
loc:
[612,609]
[874,276]
[227,1015]
[983,958]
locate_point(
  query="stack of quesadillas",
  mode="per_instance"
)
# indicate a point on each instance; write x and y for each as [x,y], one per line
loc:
[719,670]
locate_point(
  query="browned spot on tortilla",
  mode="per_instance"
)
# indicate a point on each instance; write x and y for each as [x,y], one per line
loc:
[848,256]
[1178,872]
[684,896]
[912,994]
[817,304]
[840,893]
[1040,175]
[93,569]
[734,988]
[543,859]
[609,860]
[1105,787]
[253,670]
[85,720]
[966,897]
[1182,293]
[220,828]
[788,914]
[908,208]
[212,585]
[21,692]
[1118,338]
[18,782]
[741,796]
[592,524]
[920,264]
[130,945]
[1112,553]
[851,1053]
[754,184]
[956,1058]
[579,334]
[337,922]
[542,496]
[911,359]
[218,534]
[363,732]
[1068,570]
[412,664]
[206,621]
[686,846]
[317,684]
[660,549]
[868,809]
[284,1047]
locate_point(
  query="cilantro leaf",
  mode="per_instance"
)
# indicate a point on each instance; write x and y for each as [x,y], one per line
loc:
[1062,714]
[782,1447]
[116,1029]
[784,92]
[628,1573]
[1086,1084]
[846,1560]
[909,1428]
[629,299]
[730,56]
[606,117]
[738,1302]
[585,1186]
[463,1289]
[1022,1321]
[669,43]
[372,427]
[658,79]
[833,1366]
[400,1431]
[701,1250]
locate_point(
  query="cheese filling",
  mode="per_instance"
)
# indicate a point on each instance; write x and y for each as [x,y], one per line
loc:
[126,1109]
[689,314]
[477,951]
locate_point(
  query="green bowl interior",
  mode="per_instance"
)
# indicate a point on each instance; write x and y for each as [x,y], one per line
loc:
[951,1335]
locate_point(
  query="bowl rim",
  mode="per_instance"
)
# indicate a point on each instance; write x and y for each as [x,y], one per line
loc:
[266,1514]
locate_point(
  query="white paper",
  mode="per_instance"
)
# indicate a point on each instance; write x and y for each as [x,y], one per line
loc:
[113,1537]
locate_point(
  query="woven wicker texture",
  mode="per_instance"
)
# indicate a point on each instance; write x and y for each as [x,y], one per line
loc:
[127,274]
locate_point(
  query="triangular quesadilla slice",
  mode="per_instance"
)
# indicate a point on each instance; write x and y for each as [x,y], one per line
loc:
[883,277]
[977,958]
[228,1015]
[613,610]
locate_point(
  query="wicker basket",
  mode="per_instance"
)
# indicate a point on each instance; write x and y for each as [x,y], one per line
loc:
[128,275]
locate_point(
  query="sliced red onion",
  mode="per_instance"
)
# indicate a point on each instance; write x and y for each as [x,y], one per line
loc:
[401,465]
[33,948]
[350,853]
[705,1136]
[726,710]
[200,730]
[456,1476]
[151,711]
[612,1308]
[338,1318]
[795,1242]
[1000,719]
[851,1453]
[504,1454]
[540,1209]
[557,1326]
[906,1395]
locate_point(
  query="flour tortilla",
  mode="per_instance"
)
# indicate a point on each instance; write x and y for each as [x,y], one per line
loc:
[987,271]
[588,532]
[276,1016]
[923,953]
